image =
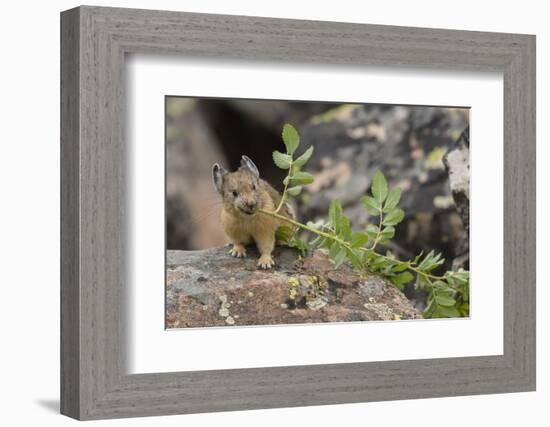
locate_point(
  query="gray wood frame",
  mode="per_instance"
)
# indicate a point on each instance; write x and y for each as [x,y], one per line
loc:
[94,41]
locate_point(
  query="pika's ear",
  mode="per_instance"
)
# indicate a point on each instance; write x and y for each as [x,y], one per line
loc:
[248,164]
[218,172]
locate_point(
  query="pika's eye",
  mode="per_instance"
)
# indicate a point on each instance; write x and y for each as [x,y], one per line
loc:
[235,194]
[254,187]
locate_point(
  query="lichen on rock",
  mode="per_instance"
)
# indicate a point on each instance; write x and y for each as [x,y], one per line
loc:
[199,294]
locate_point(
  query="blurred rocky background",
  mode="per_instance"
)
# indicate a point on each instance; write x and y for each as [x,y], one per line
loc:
[422,150]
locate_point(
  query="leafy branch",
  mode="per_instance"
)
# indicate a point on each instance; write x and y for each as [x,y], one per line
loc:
[286,161]
[448,293]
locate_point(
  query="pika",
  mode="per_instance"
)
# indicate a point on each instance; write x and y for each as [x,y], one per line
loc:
[243,193]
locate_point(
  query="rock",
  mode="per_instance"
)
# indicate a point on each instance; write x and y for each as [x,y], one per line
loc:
[457,163]
[407,144]
[192,204]
[211,288]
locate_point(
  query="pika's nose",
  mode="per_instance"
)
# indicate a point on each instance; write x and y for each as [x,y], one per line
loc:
[251,204]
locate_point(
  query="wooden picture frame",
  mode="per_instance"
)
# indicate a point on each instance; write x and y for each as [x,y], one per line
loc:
[94,382]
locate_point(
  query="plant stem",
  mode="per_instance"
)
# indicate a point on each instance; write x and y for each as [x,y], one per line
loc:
[346,244]
[303,226]
[409,266]
[284,196]
[379,231]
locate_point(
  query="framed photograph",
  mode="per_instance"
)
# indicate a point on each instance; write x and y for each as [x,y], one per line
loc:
[332,188]
[261,213]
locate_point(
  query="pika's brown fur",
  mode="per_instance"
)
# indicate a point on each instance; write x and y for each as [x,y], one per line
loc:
[243,193]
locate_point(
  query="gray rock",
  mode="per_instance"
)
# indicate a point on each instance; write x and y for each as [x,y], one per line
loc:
[457,163]
[407,144]
[211,288]
[192,204]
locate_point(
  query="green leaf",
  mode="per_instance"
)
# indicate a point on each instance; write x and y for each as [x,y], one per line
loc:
[445,300]
[283,233]
[378,262]
[430,262]
[426,261]
[387,233]
[427,314]
[402,278]
[318,241]
[443,311]
[379,187]
[290,138]
[340,257]
[294,191]
[333,251]
[355,258]
[359,239]
[302,178]
[461,277]
[327,244]
[394,217]
[301,161]
[441,286]
[335,212]
[364,257]
[392,200]
[397,268]
[282,161]
[372,231]
[288,237]
[465,292]
[344,230]
[299,244]
[372,205]
[421,282]
[464,309]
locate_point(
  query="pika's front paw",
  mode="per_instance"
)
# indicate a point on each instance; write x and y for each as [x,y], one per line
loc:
[265,262]
[238,251]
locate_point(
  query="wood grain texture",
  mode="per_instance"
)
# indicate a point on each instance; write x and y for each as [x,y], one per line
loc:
[70,292]
[94,270]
